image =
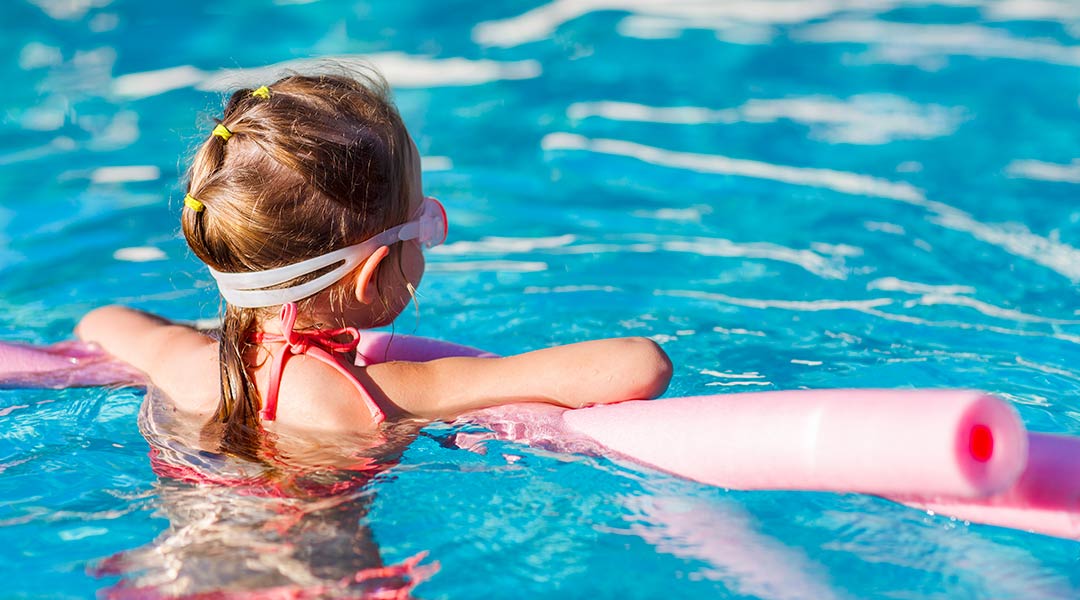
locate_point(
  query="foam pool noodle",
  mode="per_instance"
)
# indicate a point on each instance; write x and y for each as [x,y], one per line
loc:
[959,453]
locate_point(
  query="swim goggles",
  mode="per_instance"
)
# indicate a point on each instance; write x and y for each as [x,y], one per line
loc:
[248,290]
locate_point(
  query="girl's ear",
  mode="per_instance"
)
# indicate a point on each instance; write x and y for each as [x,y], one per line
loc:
[366,289]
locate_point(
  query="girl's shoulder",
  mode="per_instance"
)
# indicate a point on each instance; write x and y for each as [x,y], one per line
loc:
[179,360]
[316,397]
[186,368]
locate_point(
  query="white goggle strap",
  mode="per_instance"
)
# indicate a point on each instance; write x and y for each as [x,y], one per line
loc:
[256,298]
[248,290]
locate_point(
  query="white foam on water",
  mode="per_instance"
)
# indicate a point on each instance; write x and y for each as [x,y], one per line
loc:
[651,28]
[508,266]
[1018,240]
[884,227]
[691,214]
[990,310]
[739,25]
[828,268]
[436,163]
[119,131]
[504,245]
[103,22]
[125,174]
[1044,171]
[893,284]
[1032,10]
[730,31]
[629,111]
[78,533]
[749,375]
[1048,369]
[958,295]
[807,259]
[905,43]
[870,306]
[839,181]
[838,250]
[153,83]
[400,70]
[36,55]
[139,254]
[541,22]
[756,21]
[42,118]
[795,305]
[569,289]
[1013,238]
[740,331]
[860,119]
[68,10]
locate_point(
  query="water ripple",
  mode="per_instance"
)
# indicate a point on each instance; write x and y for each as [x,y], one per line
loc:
[1014,238]
[925,44]
[400,70]
[861,119]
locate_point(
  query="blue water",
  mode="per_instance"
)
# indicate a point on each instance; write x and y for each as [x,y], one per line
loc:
[784,194]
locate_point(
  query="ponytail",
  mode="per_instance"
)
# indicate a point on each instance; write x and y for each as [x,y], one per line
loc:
[237,417]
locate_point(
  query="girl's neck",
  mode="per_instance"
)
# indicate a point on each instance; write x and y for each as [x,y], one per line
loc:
[311,320]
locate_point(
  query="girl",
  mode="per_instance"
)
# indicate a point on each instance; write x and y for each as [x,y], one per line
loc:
[305,202]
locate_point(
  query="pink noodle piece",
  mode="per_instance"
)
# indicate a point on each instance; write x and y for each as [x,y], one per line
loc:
[959,453]
[1045,499]
[960,444]
[380,346]
[76,364]
[67,364]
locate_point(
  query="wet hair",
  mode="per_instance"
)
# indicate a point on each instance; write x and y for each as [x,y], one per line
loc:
[318,163]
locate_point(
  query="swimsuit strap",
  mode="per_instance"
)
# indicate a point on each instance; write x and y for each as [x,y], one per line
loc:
[317,344]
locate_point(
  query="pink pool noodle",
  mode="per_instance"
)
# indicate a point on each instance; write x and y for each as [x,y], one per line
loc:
[76,364]
[886,442]
[380,346]
[936,450]
[1045,498]
[67,364]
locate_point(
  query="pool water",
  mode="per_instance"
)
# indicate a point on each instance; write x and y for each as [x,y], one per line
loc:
[784,194]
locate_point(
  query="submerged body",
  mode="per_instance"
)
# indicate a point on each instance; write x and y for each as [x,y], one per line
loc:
[305,203]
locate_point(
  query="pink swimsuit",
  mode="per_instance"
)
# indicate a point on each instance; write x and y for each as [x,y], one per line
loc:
[319,345]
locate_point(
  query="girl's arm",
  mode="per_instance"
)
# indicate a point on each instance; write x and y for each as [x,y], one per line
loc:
[176,358]
[576,375]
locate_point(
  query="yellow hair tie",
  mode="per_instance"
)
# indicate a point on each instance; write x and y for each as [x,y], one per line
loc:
[192,203]
[263,92]
[222,132]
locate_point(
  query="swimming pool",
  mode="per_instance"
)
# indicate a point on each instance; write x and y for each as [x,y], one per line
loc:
[833,193]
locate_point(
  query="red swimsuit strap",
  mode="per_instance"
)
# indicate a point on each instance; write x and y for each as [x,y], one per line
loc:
[320,345]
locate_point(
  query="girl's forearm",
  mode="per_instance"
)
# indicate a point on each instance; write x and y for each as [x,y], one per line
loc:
[573,376]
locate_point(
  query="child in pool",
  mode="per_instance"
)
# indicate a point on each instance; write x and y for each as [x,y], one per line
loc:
[306,204]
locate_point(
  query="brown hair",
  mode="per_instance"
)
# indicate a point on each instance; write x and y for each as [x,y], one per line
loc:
[320,164]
